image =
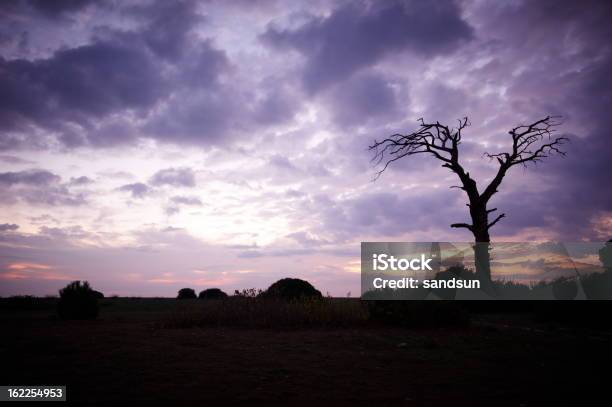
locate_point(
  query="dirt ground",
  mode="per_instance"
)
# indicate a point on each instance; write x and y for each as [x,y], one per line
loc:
[499,360]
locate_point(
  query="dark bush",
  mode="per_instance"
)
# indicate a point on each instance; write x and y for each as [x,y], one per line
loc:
[98,294]
[248,292]
[598,286]
[186,294]
[605,256]
[564,288]
[290,289]
[212,294]
[77,301]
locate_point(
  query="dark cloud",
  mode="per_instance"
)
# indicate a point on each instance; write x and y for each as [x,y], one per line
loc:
[204,67]
[60,7]
[82,94]
[83,180]
[357,35]
[282,163]
[378,214]
[293,193]
[447,104]
[186,200]
[4,227]
[178,177]
[176,202]
[51,9]
[37,187]
[75,87]
[278,103]
[200,119]
[361,98]
[137,189]
[169,26]
[29,177]
[53,196]
[11,159]
[101,78]
[153,77]
[65,233]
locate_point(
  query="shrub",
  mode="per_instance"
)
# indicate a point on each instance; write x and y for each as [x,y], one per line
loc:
[291,289]
[212,294]
[77,301]
[598,286]
[98,294]
[186,294]
[605,256]
[248,292]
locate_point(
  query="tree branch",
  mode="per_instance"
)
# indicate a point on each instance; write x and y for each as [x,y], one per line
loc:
[462,225]
[431,138]
[524,138]
[490,225]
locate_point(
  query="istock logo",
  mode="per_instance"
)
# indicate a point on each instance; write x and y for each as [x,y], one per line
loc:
[383,262]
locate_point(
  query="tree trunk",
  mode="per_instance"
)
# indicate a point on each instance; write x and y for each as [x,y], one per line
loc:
[480,230]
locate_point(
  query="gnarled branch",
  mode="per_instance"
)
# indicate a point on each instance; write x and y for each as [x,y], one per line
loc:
[462,225]
[490,225]
[530,143]
[430,138]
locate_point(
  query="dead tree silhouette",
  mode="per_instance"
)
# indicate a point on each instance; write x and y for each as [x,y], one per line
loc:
[530,143]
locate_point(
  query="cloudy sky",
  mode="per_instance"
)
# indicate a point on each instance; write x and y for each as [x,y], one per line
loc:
[147,146]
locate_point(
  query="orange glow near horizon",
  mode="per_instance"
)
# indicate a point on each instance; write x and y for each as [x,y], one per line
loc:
[32,271]
[28,266]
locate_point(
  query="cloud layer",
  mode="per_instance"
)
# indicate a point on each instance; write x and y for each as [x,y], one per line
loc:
[186,139]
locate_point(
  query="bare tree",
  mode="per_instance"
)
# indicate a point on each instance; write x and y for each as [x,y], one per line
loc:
[530,143]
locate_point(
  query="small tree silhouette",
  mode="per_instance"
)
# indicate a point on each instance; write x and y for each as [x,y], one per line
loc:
[291,289]
[77,301]
[186,294]
[212,294]
[530,143]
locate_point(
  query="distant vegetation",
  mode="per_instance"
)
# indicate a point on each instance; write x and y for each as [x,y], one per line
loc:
[78,301]
[284,289]
[248,292]
[186,294]
[99,295]
[291,289]
[293,303]
[212,294]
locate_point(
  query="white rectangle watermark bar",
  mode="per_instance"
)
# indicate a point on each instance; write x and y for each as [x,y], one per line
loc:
[486,271]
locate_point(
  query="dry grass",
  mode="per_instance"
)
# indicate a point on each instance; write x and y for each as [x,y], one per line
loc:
[269,313]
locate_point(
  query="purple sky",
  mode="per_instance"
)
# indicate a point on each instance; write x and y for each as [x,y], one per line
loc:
[147,146]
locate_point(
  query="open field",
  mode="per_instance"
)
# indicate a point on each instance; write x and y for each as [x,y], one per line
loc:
[131,352]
